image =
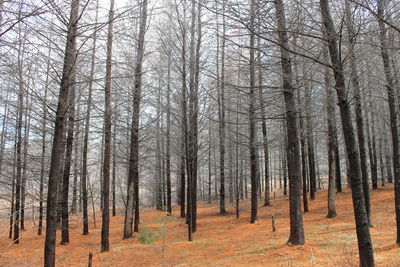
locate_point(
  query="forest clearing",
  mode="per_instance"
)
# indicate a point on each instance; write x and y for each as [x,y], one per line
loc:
[224,240]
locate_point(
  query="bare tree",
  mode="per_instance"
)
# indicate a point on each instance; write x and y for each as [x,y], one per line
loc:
[361,218]
[293,158]
[133,177]
[393,114]
[62,107]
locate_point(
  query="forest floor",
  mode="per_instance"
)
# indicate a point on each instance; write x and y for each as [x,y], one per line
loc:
[223,240]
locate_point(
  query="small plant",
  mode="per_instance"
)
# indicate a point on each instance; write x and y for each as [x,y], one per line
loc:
[146,237]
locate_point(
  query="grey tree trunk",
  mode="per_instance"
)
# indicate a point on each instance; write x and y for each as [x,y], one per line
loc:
[133,176]
[221,113]
[168,136]
[358,110]
[361,218]
[105,215]
[85,216]
[254,169]
[293,151]
[310,142]
[331,121]
[19,146]
[67,164]
[62,107]
[393,115]
[267,188]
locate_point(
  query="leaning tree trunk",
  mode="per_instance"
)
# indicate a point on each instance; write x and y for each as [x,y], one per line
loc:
[361,218]
[393,115]
[69,62]
[293,152]
[133,175]
[358,110]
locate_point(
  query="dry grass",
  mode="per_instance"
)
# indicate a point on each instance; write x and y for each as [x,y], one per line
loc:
[225,240]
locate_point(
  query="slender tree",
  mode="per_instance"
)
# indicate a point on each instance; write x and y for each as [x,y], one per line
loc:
[133,177]
[293,156]
[62,107]
[393,114]
[105,226]
[361,218]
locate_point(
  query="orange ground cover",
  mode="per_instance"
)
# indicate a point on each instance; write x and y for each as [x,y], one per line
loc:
[224,240]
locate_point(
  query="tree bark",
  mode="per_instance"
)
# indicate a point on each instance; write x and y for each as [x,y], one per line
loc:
[221,113]
[85,216]
[293,155]
[105,225]
[331,121]
[393,115]
[358,111]
[133,176]
[361,218]
[69,62]
[254,169]
[67,164]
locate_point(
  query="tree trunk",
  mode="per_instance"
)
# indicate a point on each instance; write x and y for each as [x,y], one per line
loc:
[85,217]
[331,121]
[69,62]
[19,146]
[293,155]
[105,225]
[183,121]
[267,188]
[221,114]
[361,218]
[168,148]
[254,170]
[358,111]
[133,177]
[393,115]
[67,164]
[27,127]
[76,163]
[303,155]
[310,143]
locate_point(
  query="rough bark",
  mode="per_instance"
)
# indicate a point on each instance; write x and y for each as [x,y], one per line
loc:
[267,187]
[221,114]
[85,216]
[168,136]
[254,170]
[293,151]
[393,115]
[105,225]
[69,62]
[358,110]
[361,218]
[133,176]
[67,164]
[330,112]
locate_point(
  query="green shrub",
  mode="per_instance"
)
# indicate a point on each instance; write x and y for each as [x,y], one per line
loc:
[146,237]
